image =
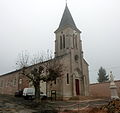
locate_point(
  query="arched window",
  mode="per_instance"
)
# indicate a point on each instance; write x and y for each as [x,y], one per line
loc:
[63,41]
[67,78]
[20,81]
[60,42]
[55,81]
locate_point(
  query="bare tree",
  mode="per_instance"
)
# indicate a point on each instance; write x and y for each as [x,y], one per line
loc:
[31,69]
[54,69]
[41,68]
[23,60]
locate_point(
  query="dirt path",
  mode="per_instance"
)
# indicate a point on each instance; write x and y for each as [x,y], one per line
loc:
[11,104]
[77,105]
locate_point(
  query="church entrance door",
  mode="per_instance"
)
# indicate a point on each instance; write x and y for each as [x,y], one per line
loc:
[77,87]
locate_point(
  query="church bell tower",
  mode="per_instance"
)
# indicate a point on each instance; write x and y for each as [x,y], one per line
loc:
[68,50]
[68,42]
[67,36]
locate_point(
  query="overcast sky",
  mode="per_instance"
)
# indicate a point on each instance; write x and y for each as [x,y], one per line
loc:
[30,24]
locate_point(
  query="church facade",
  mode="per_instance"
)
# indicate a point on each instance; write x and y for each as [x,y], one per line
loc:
[68,46]
[68,50]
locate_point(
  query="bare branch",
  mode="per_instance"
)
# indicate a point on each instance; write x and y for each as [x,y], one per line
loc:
[40,70]
[23,60]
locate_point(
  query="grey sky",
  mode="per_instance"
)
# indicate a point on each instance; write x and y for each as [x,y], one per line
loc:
[30,25]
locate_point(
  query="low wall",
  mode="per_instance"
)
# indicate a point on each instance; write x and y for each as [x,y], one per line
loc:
[102,89]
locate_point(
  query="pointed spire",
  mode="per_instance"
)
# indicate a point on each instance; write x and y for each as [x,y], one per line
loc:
[67,19]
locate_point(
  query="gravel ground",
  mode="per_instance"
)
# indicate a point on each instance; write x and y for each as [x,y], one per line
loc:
[11,104]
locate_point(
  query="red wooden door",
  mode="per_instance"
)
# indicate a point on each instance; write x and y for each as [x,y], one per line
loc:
[77,87]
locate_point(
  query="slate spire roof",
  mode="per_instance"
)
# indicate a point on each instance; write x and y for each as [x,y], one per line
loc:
[67,20]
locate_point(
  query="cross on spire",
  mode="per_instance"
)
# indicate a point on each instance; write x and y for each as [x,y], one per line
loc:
[67,19]
[66,1]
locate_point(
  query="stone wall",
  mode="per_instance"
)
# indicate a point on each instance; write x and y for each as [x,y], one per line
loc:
[12,82]
[9,83]
[102,89]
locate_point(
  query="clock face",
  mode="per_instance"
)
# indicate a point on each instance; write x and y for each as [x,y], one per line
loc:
[76,57]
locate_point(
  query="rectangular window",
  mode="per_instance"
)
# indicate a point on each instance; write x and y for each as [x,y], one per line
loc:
[67,78]
[63,41]
[60,42]
[55,81]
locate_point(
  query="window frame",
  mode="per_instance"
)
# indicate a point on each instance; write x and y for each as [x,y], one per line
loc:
[68,80]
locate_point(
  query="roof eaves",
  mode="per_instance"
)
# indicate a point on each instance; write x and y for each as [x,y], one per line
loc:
[62,28]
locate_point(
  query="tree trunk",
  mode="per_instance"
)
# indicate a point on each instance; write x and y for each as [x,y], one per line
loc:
[37,92]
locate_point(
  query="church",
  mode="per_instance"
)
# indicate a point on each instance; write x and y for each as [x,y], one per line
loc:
[68,46]
[68,49]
